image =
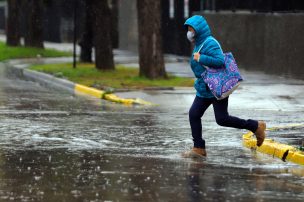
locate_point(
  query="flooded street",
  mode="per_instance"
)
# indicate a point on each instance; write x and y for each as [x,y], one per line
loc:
[59,147]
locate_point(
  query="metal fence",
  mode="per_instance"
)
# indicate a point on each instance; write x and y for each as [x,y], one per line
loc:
[254,5]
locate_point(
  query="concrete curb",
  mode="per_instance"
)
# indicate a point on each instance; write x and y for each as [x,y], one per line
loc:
[281,151]
[63,84]
[81,89]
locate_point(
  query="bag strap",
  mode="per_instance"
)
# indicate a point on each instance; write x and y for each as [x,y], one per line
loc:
[199,50]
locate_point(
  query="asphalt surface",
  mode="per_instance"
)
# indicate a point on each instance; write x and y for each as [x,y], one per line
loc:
[55,146]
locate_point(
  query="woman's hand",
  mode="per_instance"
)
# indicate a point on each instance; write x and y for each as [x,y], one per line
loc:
[196,57]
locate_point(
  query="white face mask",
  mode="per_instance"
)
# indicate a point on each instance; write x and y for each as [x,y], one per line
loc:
[190,36]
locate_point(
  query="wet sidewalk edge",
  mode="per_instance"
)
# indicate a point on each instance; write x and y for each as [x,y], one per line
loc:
[21,70]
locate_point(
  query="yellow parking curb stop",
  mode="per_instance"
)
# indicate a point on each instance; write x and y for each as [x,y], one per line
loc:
[281,151]
[110,97]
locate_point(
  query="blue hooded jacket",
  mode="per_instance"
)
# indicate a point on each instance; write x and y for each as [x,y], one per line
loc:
[211,54]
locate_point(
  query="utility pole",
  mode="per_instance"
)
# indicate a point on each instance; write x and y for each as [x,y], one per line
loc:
[75,35]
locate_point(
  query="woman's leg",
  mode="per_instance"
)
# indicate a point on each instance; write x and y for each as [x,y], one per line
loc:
[196,111]
[224,119]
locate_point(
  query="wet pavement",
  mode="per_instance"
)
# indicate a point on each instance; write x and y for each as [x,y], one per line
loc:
[58,147]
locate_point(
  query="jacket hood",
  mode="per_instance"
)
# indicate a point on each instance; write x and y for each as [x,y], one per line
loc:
[201,27]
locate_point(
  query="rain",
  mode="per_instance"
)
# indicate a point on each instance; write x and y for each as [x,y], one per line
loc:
[59,146]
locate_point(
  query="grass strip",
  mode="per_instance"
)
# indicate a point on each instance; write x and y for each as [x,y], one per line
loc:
[120,78]
[9,52]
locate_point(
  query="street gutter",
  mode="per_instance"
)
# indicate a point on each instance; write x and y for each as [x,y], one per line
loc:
[63,84]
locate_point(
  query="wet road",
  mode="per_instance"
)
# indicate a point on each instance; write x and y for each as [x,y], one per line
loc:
[58,147]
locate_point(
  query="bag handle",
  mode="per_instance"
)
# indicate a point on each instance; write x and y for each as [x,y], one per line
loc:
[199,50]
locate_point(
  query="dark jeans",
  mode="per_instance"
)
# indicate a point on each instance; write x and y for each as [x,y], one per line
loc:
[222,117]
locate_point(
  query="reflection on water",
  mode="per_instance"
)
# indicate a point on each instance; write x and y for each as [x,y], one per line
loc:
[96,176]
[98,156]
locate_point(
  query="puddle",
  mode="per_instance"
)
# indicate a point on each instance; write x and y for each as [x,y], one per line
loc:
[54,146]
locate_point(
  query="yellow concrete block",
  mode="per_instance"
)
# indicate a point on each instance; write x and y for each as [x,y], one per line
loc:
[115,98]
[110,97]
[296,157]
[282,151]
[88,91]
[127,101]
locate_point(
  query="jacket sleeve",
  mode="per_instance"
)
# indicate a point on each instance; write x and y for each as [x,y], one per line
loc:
[212,55]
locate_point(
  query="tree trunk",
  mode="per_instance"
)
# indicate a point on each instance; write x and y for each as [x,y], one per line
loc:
[151,58]
[34,23]
[12,25]
[86,41]
[102,35]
